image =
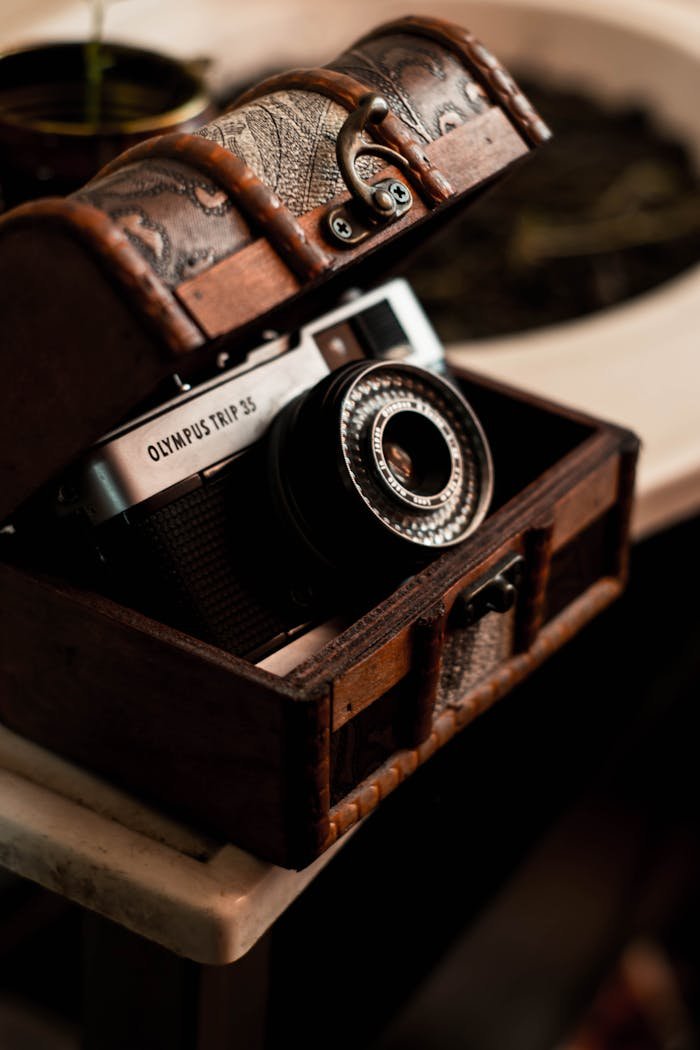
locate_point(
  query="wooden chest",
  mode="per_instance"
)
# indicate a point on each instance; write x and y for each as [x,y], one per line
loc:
[186,248]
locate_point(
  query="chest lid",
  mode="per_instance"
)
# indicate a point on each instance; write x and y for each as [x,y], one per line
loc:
[190,244]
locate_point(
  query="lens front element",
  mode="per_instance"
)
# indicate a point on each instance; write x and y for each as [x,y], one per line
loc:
[415,453]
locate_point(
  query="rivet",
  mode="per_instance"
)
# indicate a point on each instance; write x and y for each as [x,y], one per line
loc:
[484,56]
[521,105]
[501,80]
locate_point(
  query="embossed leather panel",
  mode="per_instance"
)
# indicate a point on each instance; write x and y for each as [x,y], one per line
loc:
[288,139]
[425,85]
[179,219]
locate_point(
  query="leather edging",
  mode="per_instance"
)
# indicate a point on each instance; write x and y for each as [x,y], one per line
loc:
[117,254]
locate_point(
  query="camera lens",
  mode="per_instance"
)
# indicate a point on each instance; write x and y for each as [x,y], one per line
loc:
[415,452]
[384,456]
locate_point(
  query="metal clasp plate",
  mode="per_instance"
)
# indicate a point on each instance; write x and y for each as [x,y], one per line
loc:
[496,593]
[372,205]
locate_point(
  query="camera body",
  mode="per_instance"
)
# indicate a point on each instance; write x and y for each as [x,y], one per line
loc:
[320,471]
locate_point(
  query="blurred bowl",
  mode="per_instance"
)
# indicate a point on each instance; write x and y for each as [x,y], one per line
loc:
[56,131]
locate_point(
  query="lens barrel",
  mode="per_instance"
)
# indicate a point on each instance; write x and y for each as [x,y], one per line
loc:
[379,460]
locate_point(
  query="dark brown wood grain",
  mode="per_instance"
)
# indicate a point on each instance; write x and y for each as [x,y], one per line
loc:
[586,502]
[183,724]
[619,546]
[427,646]
[538,556]
[370,677]
[66,385]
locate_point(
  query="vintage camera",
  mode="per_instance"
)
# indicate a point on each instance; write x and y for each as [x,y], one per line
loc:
[315,475]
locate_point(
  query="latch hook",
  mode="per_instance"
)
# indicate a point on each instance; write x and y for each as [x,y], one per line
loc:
[384,201]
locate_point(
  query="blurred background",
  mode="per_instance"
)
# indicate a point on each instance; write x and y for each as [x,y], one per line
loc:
[559,907]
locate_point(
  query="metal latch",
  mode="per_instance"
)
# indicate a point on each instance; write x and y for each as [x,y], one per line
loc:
[372,205]
[496,593]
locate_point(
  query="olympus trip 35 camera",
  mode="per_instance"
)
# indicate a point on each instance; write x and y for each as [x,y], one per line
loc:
[312,477]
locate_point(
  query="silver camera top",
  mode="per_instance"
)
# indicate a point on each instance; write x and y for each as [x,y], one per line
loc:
[209,424]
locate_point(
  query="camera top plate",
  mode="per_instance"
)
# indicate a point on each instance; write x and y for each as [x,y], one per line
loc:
[211,423]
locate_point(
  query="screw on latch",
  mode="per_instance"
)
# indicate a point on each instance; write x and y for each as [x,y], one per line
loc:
[400,193]
[349,224]
[380,201]
[372,205]
[341,227]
